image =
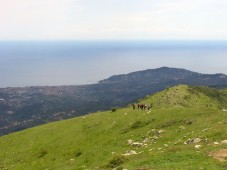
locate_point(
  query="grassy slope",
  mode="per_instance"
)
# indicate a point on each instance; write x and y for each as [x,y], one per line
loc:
[91,142]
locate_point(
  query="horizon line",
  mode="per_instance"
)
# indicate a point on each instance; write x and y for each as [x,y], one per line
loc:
[97,81]
[5,40]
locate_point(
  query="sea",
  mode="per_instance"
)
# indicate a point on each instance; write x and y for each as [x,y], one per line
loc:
[52,63]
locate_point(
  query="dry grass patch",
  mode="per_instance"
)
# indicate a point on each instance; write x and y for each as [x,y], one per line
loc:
[220,155]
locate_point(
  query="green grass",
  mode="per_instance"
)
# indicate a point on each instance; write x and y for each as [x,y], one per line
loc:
[97,141]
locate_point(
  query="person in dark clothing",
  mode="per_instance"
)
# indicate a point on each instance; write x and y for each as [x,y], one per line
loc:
[133,106]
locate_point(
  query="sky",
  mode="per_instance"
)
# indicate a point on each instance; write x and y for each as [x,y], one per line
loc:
[112,19]
[47,22]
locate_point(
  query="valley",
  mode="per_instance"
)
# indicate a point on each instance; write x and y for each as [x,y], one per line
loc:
[26,107]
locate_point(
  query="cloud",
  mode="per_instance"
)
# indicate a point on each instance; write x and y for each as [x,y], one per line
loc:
[113,19]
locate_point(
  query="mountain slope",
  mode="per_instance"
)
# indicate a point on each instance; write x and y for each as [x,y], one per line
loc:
[163,138]
[168,75]
[22,108]
[190,96]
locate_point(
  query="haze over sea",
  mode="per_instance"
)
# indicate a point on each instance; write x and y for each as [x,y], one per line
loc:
[35,63]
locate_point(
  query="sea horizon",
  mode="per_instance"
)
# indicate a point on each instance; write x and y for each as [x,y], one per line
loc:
[74,62]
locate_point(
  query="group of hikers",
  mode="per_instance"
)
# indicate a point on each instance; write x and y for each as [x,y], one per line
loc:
[141,106]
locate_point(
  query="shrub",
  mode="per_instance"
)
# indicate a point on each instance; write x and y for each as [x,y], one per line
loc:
[187,97]
[189,122]
[169,123]
[78,153]
[116,161]
[114,109]
[137,124]
[42,153]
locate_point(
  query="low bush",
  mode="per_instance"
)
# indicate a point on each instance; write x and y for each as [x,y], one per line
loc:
[78,153]
[42,153]
[116,161]
[114,109]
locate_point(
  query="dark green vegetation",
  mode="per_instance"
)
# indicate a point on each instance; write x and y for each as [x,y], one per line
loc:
[183,131]
[21,108]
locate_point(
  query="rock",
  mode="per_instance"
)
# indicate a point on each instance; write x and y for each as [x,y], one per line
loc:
[113,124]
[130,152]
[165,145]
[188,122]
[178,141]
[197,140]
[137,144]
[154,137]
[145,140]
[204,130]
[216,143]
[155,132]
[181,127]
[198,146]
[71,161]
[224,142]
[161,131]
[194,140]
[130,141]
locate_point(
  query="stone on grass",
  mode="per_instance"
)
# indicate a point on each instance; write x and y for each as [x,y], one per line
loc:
[181,127]
[136,144]
[194,140]
[198,146]
[130,141]
[129,152]
[224,142]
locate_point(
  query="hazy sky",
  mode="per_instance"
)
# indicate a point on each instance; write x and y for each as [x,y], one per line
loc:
[51,64]
[113,19]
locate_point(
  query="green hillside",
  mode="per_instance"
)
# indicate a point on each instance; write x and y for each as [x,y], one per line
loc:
[185,129]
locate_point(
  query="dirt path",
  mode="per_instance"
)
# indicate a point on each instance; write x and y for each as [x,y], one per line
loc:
[220,155]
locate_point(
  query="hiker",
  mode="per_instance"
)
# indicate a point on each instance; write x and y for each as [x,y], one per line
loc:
[149,107]
[133,106]
[138,105]
[144,107]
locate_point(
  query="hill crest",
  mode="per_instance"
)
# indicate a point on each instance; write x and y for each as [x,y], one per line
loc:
[164,74]
[189,96]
